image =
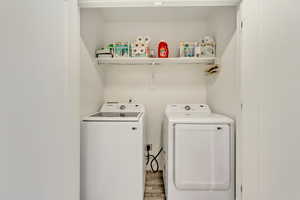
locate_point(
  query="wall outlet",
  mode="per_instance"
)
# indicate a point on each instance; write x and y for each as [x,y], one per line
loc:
[149,147]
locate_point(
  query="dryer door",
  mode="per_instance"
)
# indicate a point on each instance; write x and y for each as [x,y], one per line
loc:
[202,157]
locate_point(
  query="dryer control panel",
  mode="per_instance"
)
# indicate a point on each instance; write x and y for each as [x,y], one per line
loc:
[199,108]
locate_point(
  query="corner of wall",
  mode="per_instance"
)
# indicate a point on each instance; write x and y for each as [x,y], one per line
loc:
[223,88]
[91,83]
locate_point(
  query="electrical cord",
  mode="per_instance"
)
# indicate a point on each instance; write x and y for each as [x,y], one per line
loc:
[154,160]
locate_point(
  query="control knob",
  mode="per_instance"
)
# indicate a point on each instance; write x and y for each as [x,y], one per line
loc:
[122,107]
[187,107]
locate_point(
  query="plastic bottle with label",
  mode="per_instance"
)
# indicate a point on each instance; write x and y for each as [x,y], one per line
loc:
[163,50]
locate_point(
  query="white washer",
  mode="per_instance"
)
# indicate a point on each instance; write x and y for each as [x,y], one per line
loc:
[112,153]
[198,153]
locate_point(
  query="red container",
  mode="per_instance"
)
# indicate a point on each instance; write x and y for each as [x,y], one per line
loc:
[163,51]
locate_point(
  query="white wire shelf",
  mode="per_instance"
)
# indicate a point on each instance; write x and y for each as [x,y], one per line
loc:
[156,61]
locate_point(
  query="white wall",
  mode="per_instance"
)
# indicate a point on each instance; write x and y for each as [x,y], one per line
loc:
[223,88]
[91,83]
[39,146]
[271,113]
[91,77]
[91,29]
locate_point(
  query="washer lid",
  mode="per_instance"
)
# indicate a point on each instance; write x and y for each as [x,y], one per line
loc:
[114,116]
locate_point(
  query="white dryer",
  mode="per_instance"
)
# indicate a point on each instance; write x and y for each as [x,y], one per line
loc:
[198,153]
[112,153]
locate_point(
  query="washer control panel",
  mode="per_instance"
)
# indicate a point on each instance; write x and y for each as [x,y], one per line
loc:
[122,107]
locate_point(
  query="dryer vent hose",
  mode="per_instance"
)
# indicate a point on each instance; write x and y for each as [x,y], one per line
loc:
[153,160]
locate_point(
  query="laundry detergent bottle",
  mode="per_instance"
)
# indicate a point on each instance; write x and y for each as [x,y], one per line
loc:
[163,51]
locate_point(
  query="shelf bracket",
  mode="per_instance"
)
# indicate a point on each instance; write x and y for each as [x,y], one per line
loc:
[212,69]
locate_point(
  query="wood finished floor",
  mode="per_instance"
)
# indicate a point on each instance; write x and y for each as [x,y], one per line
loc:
[154,189]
